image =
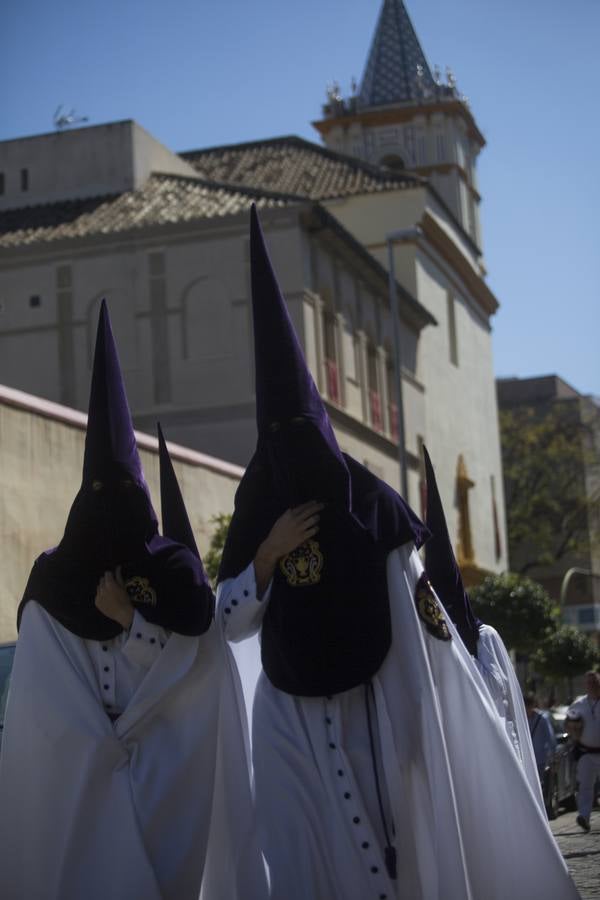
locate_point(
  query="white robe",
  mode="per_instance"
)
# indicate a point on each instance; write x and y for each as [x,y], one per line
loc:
[467,823]
[155,807]
[496,669]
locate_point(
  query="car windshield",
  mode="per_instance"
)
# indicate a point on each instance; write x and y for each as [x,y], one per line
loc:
[6,660]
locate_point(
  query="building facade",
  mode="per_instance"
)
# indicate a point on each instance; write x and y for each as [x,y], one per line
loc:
[108,211]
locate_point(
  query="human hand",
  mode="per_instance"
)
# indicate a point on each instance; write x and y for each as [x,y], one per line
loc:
[113,600]
[289,531]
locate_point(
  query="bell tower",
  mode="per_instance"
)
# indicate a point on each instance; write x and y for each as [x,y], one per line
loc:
[404,116]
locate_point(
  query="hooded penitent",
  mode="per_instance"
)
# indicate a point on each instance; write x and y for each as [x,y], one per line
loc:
[112,523]
[442,568]
[327,625]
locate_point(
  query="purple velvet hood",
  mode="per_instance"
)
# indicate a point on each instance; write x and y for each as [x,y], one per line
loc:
[112,523]
[330,631]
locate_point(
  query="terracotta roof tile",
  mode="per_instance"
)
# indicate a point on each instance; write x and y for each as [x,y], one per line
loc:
[164,199]
[293,165]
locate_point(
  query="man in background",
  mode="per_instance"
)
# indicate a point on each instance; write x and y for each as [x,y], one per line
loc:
[583,724]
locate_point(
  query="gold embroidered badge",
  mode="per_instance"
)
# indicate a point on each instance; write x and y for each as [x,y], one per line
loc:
[430,611]
[140,591]
[303,565]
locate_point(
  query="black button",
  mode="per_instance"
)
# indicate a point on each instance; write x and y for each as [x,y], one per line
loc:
[234,602]
[374,870]
[245,593]
[329,697]
[104,647]
[227,611]
[383,897]
[107,668]
[365,845]
[328,720]
[356,820]
[347,795]
[139,634]
[105,686]
[152,640]
[107,705]
[161,645]
[332,746]
[340,772]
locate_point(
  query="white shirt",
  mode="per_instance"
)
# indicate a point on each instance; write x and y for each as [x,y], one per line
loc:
[121,663]
[588,710]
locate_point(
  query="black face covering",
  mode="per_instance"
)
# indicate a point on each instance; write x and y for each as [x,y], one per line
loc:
[302,465]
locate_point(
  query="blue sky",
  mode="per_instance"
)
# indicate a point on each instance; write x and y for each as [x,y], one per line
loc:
[202,73]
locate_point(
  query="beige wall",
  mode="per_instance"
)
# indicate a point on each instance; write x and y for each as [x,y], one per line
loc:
[41,455]
[460,412]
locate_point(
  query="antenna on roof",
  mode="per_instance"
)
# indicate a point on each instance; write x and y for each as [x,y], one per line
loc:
[64,120]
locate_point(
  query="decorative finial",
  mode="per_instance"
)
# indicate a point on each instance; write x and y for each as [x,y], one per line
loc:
[450,78]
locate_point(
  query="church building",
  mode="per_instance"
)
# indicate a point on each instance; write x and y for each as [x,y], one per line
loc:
[376,239]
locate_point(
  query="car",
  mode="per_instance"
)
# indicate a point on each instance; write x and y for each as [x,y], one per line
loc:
[7,654]
[559,778]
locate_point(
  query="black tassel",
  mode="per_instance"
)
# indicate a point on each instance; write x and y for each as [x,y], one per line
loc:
[390,862]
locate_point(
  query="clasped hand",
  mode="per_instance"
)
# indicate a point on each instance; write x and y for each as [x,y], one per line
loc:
[290,530]
[113,600]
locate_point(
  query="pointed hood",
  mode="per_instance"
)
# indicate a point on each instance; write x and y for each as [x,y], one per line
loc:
[175,520]
[110,440]
[112,524]
[442,568]
[327,627]
[290,414]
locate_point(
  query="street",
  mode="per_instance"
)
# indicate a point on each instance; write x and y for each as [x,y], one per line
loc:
[581,851]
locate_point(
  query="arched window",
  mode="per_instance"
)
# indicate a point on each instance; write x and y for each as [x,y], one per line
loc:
[392,161]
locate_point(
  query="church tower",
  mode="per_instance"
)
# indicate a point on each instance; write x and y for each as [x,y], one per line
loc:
[403,116]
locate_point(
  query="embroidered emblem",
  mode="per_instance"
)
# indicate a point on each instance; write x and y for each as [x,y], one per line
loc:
[430,611]
[303,565]
[139,590]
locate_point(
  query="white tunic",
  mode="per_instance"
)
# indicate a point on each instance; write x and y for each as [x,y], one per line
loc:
[467,824]
[588,710]
[156,806]
[121,663]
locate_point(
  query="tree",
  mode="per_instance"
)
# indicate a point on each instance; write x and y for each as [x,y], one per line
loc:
[565,654]
[212,560]
[518,608]
[549,514]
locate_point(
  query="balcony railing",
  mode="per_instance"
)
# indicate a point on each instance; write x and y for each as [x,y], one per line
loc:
[376,417]
[333,381]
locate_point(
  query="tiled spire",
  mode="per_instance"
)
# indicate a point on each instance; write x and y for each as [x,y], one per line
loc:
[396,69]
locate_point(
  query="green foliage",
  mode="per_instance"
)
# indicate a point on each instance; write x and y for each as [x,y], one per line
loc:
[518,608]
[547,508]
[212,559]
[565,654]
